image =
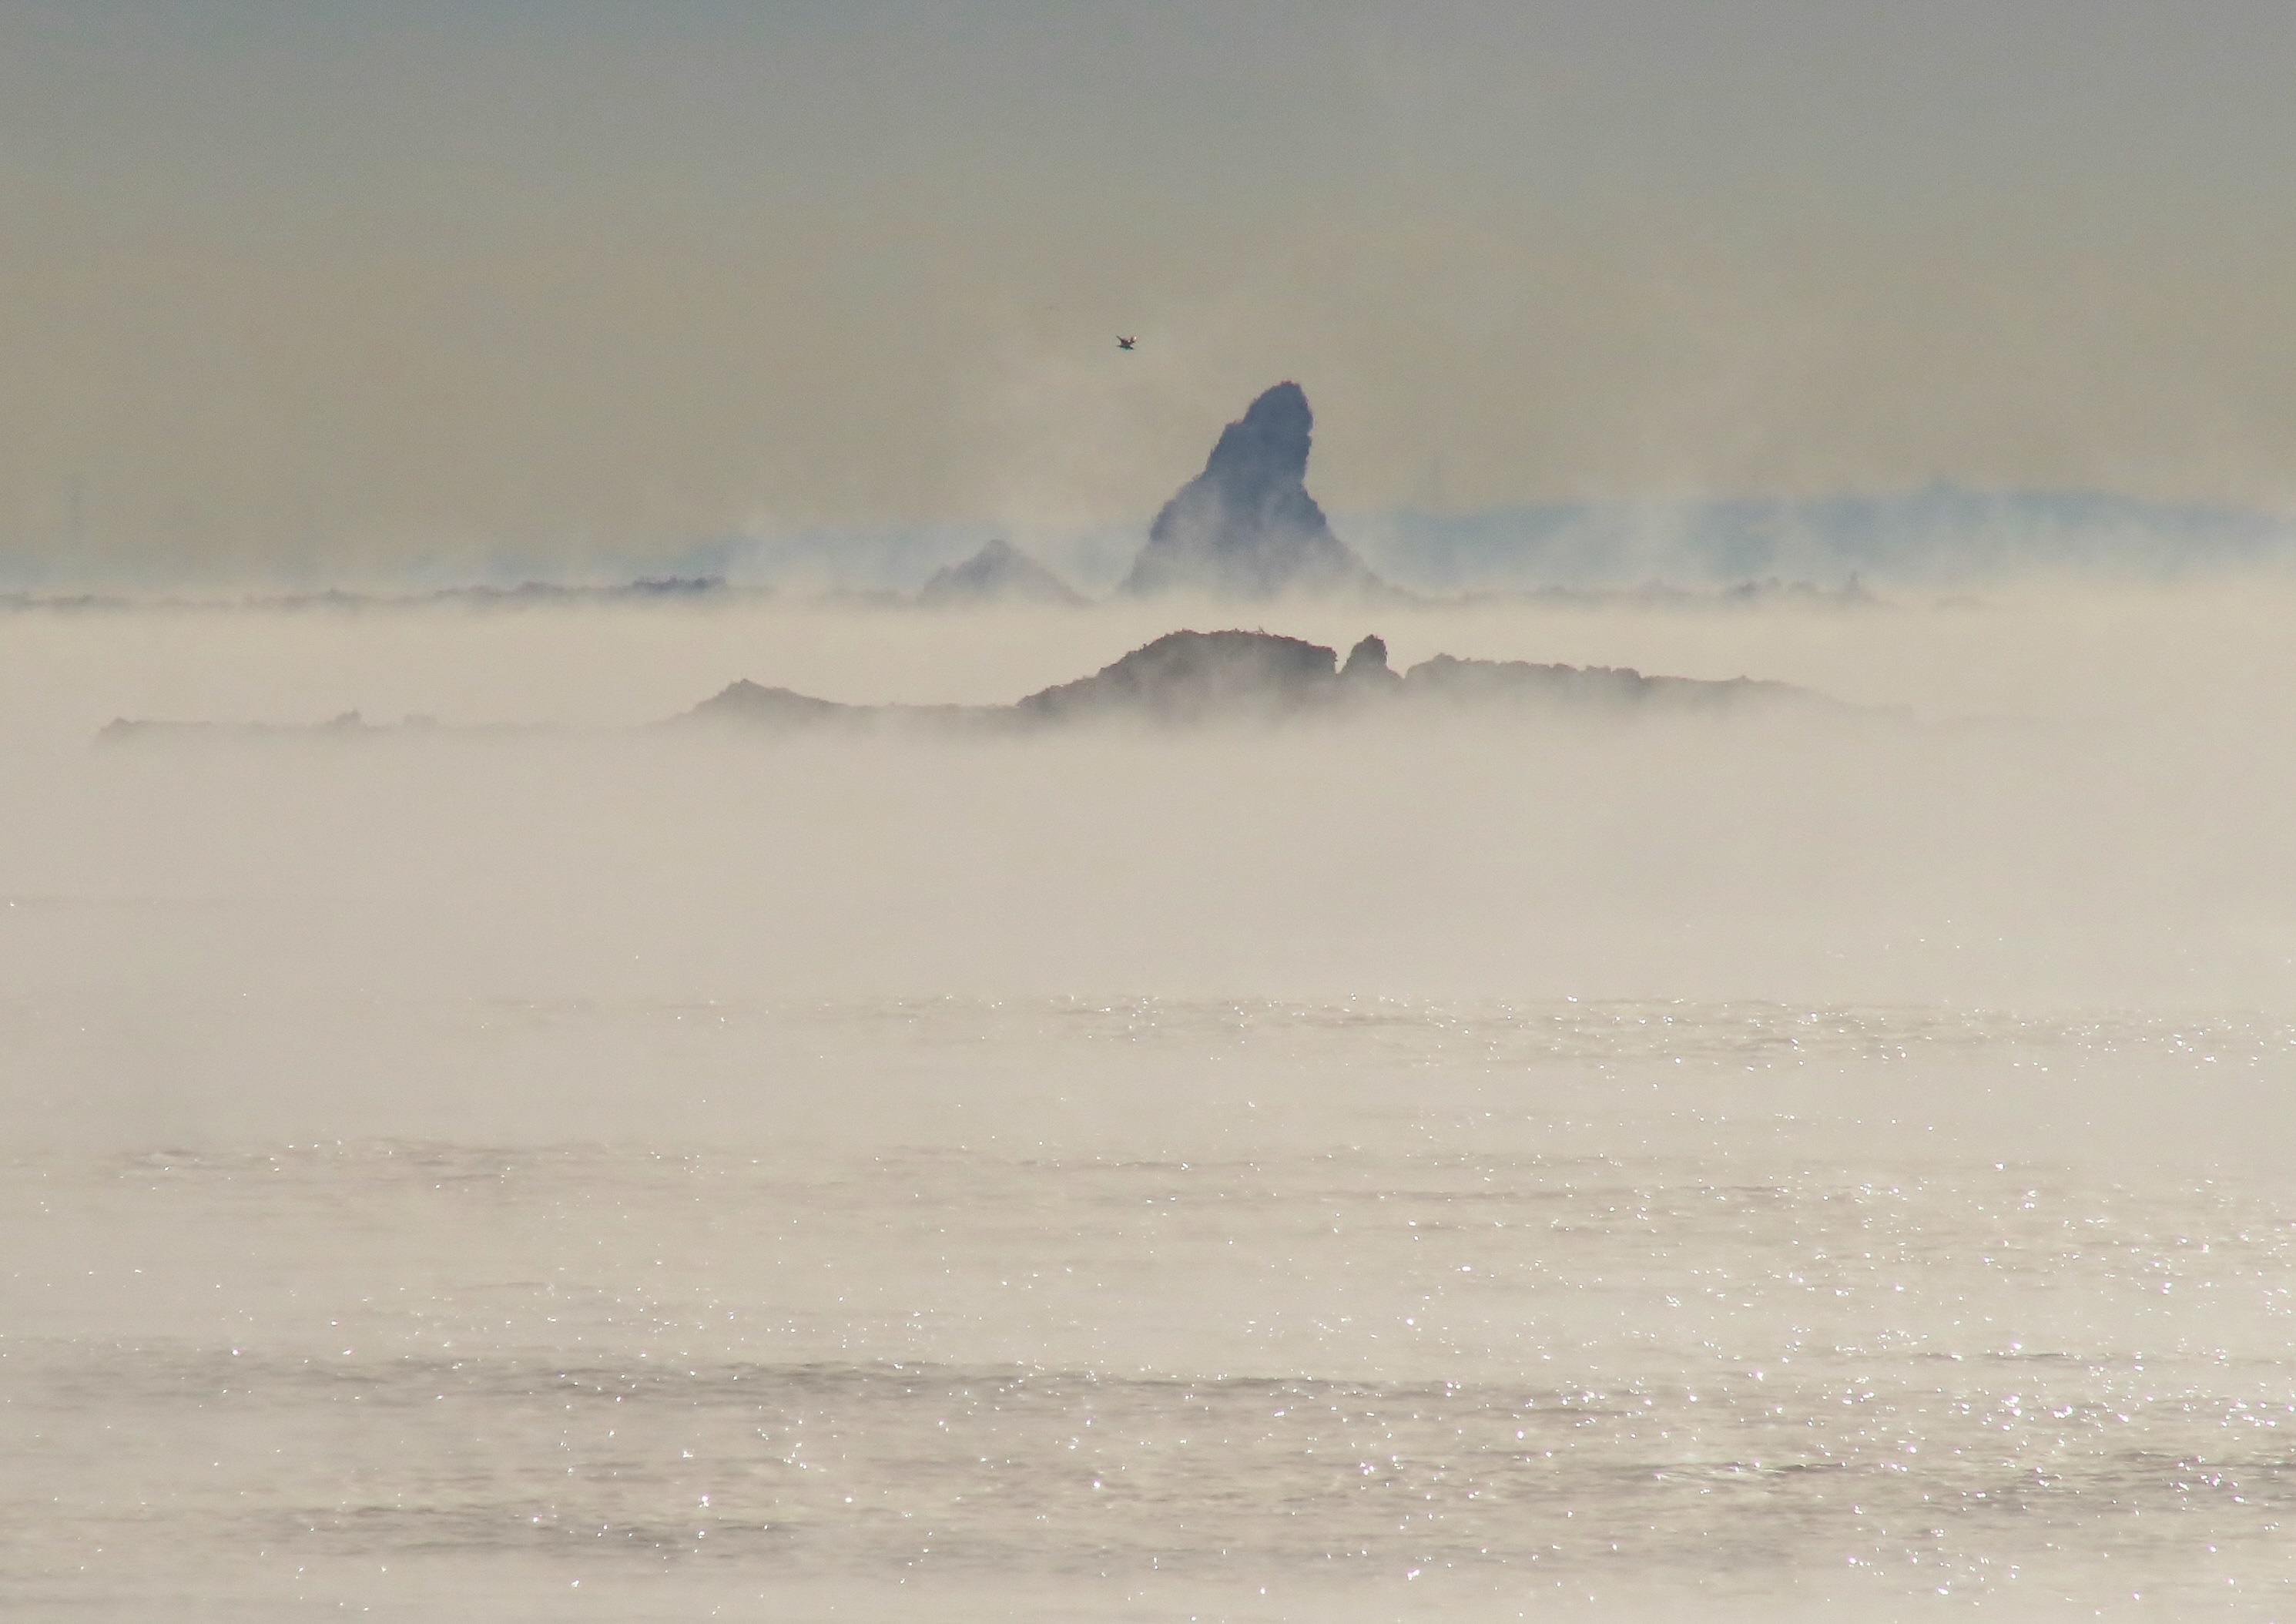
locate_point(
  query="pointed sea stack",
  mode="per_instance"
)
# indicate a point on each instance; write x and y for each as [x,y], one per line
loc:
[1246,527]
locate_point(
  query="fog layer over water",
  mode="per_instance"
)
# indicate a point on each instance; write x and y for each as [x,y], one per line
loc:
[1690,1167]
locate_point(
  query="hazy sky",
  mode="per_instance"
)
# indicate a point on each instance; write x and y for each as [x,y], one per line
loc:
[330,284]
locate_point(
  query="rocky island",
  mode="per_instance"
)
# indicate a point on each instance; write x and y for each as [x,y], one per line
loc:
[1189,679]
[1184,679]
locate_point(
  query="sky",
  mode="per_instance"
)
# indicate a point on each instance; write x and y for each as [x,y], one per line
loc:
[325,288]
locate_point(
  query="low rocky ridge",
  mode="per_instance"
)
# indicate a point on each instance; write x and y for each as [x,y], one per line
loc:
[1191,679]
[1182,679]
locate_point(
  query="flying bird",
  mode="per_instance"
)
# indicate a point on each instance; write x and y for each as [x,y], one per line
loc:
[1124,343]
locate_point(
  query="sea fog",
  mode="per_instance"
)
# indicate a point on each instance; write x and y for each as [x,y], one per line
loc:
[549,1165]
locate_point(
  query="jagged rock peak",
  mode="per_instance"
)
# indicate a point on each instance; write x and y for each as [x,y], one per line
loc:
[999,573]
[1246,527]
[1367,663]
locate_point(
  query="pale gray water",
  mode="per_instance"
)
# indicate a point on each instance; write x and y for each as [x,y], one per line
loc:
[1387,1310]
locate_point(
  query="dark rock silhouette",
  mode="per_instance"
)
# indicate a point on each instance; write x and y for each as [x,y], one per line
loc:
[1246,527]
[1366,664]
[1192,679]
[1186,680]
[747,701]
[1444,682]
[1194,676]
[999,573]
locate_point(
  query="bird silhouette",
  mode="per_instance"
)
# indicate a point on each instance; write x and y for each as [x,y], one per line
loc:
[1125,343]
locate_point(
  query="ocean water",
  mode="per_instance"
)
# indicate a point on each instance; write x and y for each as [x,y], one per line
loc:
[1378,1309]
[1645,1172]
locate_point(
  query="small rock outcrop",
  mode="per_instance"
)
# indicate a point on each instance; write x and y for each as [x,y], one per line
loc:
[754,702]
[1366,666]
[1246,527]
[999,573]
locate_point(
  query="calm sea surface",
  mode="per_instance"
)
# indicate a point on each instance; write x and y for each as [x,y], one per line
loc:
[955,1309]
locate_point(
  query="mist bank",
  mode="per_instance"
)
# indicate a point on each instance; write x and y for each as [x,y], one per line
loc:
[180,923]
[997,576]
[1908,546]
[540,939]
[1942,538]
[2090,813]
